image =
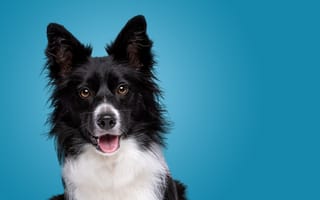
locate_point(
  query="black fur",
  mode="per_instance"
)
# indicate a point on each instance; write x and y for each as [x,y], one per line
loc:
[130,61]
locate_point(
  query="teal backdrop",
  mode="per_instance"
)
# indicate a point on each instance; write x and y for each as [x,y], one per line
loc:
[240,81]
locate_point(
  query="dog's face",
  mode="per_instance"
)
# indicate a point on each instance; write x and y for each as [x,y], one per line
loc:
[103,100]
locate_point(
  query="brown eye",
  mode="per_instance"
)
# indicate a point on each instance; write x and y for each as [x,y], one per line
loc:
[84,92]
[122,89]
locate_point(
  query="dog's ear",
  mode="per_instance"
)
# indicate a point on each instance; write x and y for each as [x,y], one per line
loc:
[133,45]
[64,51]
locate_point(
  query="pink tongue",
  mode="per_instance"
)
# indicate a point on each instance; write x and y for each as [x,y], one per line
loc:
[108,143]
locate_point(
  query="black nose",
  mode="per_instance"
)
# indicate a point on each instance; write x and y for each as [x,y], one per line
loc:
[106,122]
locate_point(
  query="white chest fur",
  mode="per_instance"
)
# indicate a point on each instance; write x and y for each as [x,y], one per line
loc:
[129,174]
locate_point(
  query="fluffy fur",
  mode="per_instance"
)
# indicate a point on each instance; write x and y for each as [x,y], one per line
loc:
[107,121]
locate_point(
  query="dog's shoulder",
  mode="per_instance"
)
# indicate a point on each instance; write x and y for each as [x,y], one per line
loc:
[58,197]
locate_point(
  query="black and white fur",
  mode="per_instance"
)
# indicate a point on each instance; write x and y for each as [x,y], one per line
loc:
[107,120]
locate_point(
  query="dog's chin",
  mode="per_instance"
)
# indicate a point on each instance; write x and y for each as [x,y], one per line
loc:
[108,144]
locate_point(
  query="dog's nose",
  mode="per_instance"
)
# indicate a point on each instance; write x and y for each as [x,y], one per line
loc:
[106,122]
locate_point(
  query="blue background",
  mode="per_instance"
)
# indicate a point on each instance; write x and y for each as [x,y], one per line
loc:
[241,82]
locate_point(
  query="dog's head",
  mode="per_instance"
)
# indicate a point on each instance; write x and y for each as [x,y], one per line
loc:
[103,100]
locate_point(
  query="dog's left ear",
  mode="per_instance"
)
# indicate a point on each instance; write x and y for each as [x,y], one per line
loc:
[133,45]
[64,51]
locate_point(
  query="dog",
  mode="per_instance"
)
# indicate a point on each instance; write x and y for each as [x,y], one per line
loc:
[107,120]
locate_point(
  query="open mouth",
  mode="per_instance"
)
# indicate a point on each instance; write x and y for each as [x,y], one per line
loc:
[108,143]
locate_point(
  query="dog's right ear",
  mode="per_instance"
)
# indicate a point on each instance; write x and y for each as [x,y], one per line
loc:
[133,45]
[64,52]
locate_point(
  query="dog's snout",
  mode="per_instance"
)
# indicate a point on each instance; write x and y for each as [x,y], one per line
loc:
[106,122]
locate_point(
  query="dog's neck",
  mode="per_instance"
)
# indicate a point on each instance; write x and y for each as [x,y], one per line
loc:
[131,173]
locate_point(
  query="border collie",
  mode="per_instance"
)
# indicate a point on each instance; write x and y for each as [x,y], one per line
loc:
[107,120]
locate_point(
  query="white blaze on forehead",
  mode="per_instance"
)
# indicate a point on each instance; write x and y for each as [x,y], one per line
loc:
[105,108]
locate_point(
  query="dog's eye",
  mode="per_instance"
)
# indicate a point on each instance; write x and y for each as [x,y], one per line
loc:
[84,92]
[122,89]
